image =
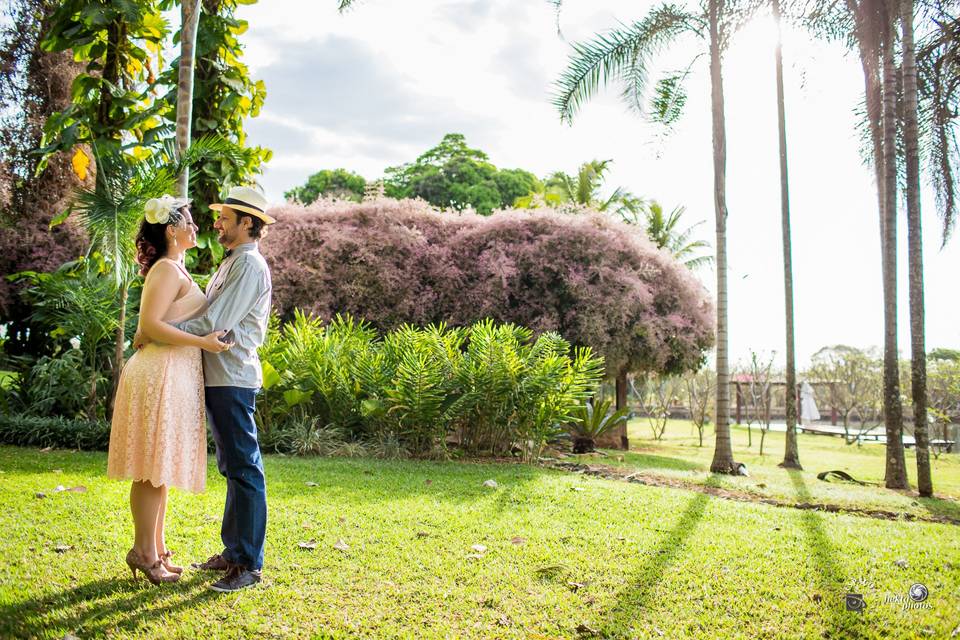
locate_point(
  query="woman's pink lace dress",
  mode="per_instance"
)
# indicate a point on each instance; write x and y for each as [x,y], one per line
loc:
[159,421]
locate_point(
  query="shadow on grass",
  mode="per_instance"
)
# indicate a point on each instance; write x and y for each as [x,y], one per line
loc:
[831,582]
[652,461]
[941,507]
[102,607]
[632,600]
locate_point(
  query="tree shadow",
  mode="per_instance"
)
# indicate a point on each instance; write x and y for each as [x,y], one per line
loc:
[632,600]
[832,584]
[941,507]
[102,607]
[652,461]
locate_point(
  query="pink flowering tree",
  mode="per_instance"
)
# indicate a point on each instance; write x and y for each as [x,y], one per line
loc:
[596,281]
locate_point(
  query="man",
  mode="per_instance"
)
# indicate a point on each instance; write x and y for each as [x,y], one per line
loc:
[239,302]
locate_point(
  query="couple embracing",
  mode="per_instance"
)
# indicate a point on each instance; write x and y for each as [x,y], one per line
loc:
[168,390]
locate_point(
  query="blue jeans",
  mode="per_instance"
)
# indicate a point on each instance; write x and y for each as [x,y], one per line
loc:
[230,412]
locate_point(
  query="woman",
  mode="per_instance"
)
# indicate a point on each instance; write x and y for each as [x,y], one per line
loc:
[158,436]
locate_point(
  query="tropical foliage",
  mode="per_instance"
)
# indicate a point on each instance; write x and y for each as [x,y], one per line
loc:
[488,387]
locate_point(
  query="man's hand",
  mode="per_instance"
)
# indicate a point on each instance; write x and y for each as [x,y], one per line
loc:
[140,340]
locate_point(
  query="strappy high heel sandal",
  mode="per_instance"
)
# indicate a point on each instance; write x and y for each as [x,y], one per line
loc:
[155,572]
[165,560]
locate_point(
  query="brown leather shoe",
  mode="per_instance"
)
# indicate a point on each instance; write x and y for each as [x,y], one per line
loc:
[216,562]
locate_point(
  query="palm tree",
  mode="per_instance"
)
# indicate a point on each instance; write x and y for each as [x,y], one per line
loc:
[869,24]
[111,210]
[918,356]
[583,190]
[791,455]
[663,231]
[621,56]
[190,20]
[896,468]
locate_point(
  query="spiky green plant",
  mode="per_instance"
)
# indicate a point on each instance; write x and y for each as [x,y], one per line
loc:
[591,422]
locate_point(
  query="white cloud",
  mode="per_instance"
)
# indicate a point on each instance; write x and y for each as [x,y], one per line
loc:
[384,82]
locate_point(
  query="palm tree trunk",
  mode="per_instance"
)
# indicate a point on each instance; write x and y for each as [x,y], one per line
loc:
[791,456]
[723,451]
[896,471]
[118,350]
[621,388]
[918,356]
[190,12]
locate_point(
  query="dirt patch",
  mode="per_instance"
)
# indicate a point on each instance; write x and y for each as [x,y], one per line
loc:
[653,480]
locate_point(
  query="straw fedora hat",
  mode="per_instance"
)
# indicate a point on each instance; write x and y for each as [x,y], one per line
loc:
[246,200]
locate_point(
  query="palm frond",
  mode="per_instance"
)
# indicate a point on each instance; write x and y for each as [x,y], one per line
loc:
[621,54]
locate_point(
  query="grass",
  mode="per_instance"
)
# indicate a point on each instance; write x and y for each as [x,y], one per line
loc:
[564,552]
[677,456]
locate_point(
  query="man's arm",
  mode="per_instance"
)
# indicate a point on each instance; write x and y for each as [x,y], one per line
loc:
[243,287]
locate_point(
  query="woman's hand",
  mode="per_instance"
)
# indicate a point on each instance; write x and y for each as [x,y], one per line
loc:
[212,343]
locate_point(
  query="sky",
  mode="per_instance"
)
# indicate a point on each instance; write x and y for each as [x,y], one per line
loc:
[382,83]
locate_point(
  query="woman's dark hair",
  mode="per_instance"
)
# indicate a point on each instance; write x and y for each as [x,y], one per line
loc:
[152,240]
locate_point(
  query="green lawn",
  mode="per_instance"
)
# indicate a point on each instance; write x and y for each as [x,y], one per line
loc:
[562,550]
[677,456]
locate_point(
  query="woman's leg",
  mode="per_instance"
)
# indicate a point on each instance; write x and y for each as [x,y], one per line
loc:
[145,501]
[161,521]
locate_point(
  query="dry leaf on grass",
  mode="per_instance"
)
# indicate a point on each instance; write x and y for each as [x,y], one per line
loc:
[490,483]
[479,548]
[576,586]
[311,484]
[40,494]
[423,534]
[63,548]
[517,540]
[576,488]
[340,545]
[312,544]
[428,481]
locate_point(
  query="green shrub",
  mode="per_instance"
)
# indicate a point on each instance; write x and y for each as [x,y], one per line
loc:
[40,431]
[494,385]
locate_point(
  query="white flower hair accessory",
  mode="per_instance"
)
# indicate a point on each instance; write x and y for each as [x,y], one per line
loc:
[159,210]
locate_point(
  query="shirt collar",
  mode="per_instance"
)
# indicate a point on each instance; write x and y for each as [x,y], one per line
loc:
[241,248]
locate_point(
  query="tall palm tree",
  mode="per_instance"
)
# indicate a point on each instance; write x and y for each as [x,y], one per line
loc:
[896,468]
[791,454]
[190,20]
[621,56]
[869,24]
[918,356]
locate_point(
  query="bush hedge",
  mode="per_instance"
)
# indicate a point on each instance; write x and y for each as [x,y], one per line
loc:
[54,431]
[595,281]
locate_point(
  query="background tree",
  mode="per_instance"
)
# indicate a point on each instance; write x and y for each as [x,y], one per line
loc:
[622,56]
[224,96]
[791,455]
[664,231]
[453,175]
[336,183]
[698,390]
[918,359]
[33,85]
[395,262]
[583,191]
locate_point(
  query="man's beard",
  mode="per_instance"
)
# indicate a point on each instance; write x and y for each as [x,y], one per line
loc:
[225,238]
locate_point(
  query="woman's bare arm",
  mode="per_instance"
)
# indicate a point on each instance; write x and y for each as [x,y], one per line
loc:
[159,292]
